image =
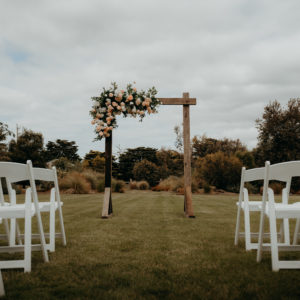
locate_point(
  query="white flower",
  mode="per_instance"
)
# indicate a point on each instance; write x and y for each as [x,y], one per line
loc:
[134,110]
[123,108]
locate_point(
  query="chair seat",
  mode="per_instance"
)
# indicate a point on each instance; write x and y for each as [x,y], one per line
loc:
[14,211]
[285,210]
[253,205]
[43,206]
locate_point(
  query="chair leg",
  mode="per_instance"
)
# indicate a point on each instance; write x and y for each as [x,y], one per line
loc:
[2,291]
[12,235]
[295,240]
[274,245]
[286,229]
[260,237]
[62,227]
[27,234]
[6,227]
[18,233]
[237,227]
[52,226]
[247,227]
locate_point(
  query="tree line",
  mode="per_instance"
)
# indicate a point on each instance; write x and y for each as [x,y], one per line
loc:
[215,162]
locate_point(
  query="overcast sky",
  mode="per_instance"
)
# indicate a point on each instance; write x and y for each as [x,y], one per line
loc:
[233,56]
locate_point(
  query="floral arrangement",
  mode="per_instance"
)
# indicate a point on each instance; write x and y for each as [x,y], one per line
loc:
[113,102]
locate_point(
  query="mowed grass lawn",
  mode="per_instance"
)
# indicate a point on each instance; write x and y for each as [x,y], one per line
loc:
[149,250]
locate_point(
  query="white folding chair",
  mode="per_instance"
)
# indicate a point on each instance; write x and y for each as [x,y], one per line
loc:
[247,206]
[51,206]
[283,211]
[13,212]
[244,204]
[13,176]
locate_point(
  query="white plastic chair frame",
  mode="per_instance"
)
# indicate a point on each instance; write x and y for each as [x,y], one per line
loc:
[13,177]
[281,172]
[51,206]
[244,204]
[11,170]
[247,206]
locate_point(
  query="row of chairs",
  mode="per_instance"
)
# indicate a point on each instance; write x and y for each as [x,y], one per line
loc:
[32,207]
[278,240]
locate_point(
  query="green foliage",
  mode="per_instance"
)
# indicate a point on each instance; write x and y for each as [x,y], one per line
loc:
[96,161]
[279,133]
[179,138]
[61,148]
[4,133]
[201,146]
[94,178]
[30,145]
[146,170]
[74,183]
[118,186]
[101,186]
[130,157]
[170,162]
[63,164]
[206,188]
[247,158]
[143,185]
[220,170]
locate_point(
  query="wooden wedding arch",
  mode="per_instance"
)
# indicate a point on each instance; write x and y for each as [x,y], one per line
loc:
[185,101]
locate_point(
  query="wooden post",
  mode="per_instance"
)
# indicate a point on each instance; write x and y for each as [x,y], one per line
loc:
[107,201]
[188,207]
[185,101]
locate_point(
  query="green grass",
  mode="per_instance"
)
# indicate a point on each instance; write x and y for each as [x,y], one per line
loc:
[148,250]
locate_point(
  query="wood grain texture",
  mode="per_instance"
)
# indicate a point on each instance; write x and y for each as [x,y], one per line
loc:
[188,205]
[178,101]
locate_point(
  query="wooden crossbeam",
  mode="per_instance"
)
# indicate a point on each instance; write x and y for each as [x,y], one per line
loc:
[178,101]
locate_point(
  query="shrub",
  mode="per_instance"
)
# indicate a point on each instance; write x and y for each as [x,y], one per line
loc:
[118,186]
[75,183]
[146,170]
[100,186]
[276,187]
[220,170]
[133,185]
[94,178]
[143,185]
[206,188]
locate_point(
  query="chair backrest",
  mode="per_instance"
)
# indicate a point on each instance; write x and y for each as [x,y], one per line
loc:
[248,176]
[281,172]
[44,174]
[48,175]
[14,172]
[254,174]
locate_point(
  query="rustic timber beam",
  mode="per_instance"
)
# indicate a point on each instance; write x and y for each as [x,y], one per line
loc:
[177,101]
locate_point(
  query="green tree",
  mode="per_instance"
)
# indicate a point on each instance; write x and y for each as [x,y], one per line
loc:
[96,161]
[130,157]
[146,170]
[279,133]
[220,170]
[4,133]
[30,145]
[170,162]
[247,158]
[203,145]
[62,148]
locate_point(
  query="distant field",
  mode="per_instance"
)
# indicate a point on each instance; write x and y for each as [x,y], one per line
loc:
[148,250]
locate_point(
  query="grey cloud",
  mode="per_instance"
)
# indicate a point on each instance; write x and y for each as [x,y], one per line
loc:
[233,56]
